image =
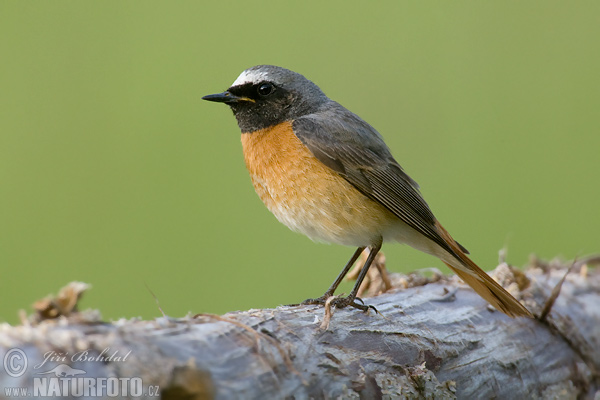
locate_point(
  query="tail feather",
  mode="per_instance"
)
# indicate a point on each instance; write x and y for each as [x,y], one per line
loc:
[481,282]
[491,291]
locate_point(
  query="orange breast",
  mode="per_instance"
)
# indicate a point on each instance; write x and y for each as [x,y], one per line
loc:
[306,195]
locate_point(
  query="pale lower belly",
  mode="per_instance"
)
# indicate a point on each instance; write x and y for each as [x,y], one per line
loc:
[330,211]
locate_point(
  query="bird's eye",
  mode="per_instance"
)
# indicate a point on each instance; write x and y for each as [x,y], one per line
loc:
[265,89]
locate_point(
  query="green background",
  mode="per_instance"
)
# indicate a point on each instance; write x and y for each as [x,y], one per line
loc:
[115,173]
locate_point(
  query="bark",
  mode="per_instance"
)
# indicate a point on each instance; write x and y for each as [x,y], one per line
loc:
[432,338]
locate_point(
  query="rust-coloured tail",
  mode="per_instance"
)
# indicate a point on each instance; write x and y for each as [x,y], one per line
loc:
[491,291]
[481,282]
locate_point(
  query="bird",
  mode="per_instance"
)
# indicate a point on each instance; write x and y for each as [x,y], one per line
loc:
[326,173]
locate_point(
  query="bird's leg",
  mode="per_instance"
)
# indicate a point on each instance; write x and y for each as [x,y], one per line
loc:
[321,300]
[350,300]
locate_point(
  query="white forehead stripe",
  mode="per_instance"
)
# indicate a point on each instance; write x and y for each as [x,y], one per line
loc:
[250,76]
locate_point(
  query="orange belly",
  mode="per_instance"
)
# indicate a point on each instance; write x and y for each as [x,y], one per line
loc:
[306,195]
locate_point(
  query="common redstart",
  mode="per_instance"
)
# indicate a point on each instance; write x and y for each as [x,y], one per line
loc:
[328,174]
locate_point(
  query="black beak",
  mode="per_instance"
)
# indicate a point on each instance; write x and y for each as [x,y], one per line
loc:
[224,97]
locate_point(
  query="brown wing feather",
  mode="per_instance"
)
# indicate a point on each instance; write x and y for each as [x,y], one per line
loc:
[365,161]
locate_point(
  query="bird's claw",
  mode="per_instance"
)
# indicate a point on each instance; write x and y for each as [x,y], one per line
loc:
[340,302]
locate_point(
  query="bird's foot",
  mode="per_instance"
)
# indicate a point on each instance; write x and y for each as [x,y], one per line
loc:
[340,302]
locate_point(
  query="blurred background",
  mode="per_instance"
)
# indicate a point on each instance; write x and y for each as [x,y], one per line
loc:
[115,173]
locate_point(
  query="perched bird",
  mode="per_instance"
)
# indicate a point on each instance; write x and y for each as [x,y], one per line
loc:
[328,174]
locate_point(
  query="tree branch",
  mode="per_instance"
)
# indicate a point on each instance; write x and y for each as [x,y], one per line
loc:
[435,338]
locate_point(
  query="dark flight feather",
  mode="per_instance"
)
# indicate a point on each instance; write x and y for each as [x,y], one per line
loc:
[364,160]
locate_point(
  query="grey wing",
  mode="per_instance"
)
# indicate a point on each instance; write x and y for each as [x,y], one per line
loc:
[345,143]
